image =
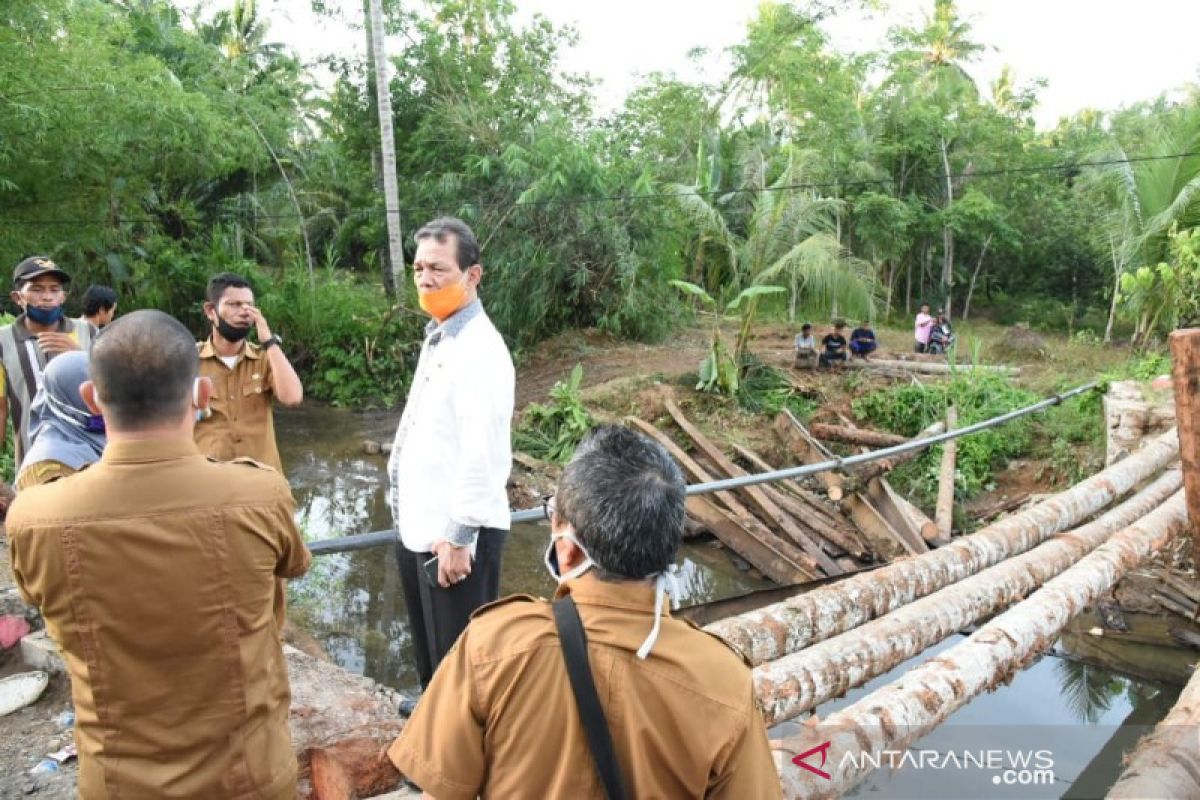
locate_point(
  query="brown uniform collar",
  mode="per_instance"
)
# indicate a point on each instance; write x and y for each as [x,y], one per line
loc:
[251,350]
[627,595]
[148,450]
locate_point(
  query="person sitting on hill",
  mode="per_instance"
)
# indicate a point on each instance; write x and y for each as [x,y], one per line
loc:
[806,348]
[862,340]
[834,345]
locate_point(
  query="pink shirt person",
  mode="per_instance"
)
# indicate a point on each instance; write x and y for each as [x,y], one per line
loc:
[924,326]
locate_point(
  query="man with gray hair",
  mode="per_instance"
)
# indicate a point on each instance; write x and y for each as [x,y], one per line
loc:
[602,692]
[452,452]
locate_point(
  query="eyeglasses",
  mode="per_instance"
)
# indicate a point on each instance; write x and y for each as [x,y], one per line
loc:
[42,291]
[548,507]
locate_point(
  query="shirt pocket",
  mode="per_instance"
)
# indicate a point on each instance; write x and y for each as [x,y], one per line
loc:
[255,391]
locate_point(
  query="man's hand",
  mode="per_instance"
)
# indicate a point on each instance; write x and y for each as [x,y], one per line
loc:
[260,324]
[454,563]
[53,343]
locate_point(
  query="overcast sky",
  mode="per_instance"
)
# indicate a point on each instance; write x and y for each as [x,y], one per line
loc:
[1092,53]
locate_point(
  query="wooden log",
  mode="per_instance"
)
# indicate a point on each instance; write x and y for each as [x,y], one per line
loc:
[763,555]
[885,542]
[944,515]
[794,684]
[861,476]
[755,495]
[929,367]
[1167,762]
[1185,375]
[805,513]
[1180,584]
[775,631]
[779,560]
[801,446]
[923,524]
[887,502]
[902,712]
[861,436]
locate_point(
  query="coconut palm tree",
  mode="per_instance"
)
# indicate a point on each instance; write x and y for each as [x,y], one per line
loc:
[1146,200]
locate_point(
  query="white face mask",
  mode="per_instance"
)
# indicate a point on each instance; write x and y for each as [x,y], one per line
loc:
[664,583]
[551,559]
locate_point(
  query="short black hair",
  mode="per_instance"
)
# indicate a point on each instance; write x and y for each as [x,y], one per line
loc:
[806,327]
[218,283]
[143,365]
[98,298]
[624,496]
[467,250]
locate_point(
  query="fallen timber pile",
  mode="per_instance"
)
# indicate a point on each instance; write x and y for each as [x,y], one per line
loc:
[1167,762]
[784,628]
[924,367]
[789,533]
[900,713]
[789,686]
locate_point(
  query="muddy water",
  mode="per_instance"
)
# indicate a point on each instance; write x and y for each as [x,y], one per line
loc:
[1082,717]
[351,602]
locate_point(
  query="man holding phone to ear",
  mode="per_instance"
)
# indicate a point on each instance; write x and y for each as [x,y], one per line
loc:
[452,452]
[239,421]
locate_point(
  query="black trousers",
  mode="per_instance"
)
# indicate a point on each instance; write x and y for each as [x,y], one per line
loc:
[436,615]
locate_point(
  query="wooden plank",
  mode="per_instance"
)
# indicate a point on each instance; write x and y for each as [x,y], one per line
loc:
[779,560]
[761,555]
[799,445]
[886,543]
[826,522]
[886,502]
[944,515]
[1185,375]
[755,495]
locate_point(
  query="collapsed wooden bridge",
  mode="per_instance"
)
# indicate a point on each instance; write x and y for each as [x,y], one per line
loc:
[1025,577]
[1037,569]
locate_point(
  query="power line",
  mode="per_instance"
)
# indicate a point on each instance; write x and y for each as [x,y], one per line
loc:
[593,200]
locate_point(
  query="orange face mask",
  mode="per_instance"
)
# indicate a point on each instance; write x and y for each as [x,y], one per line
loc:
[441,303]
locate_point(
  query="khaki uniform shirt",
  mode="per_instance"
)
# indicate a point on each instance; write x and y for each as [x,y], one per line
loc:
[500,720]
[156,570]
[242,424]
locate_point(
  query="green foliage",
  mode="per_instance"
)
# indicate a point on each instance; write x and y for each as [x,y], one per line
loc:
[552,431]
[977,395]
[766,390]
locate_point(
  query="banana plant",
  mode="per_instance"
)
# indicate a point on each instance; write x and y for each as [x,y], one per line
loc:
[721,370]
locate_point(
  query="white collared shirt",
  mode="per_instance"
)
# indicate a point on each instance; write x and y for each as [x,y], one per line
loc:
[452,453]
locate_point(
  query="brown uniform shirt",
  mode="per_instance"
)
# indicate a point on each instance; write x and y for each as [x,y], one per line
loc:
[499,718]
[242,424]
[156,570]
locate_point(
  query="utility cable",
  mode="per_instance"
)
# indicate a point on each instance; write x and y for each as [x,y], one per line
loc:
[363,541]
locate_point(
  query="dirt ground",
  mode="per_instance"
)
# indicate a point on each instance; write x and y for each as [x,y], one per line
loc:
[30,734]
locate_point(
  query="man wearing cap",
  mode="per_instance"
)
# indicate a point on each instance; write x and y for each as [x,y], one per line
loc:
[240,421]
[452,452]
[41,332]
[501,719]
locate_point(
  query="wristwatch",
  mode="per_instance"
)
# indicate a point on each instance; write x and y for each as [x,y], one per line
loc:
[274,340]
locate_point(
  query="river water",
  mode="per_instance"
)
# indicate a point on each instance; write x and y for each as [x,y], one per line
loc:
[1081,716]
[351,602]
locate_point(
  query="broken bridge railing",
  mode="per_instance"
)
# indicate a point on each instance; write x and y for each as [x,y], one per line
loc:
[364,541]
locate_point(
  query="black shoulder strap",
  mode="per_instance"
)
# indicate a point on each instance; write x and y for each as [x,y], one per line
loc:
[574,648]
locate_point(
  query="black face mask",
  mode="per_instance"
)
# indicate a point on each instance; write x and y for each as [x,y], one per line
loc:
[231,333]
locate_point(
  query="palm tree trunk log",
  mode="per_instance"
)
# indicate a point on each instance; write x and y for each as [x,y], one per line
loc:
[777,630]
[800,682]
[1167,762]
[902,712]
[944,513]
[846,435]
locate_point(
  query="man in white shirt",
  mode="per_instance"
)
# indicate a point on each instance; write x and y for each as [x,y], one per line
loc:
[452,453]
